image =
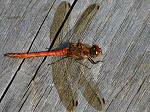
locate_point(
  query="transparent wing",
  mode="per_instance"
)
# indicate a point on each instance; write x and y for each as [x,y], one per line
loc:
[68,75]
[81,27]
[60,69]
[90,89]
[86,84]
[58,19]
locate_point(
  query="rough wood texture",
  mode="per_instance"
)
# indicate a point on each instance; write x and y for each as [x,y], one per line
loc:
[122,27]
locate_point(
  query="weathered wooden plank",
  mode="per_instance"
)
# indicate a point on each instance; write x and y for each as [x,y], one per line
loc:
[18,35]
[121,27]
[141,100]
[128,77]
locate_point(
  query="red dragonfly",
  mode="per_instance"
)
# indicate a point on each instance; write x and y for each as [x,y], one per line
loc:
[71,73]
[74,50]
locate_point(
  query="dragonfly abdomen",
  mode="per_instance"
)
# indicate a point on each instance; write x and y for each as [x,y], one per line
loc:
[62,52]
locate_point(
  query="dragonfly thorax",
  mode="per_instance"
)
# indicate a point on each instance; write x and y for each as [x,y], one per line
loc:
[83,51]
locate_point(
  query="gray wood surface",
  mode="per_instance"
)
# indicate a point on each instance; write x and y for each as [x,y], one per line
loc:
[122,28]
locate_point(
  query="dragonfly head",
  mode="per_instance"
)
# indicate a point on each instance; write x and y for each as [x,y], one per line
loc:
[95,51]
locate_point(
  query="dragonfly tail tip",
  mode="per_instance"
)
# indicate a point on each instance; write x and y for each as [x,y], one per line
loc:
[9,55]
[6,54]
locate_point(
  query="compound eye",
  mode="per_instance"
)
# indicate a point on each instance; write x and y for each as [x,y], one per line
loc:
[95,51]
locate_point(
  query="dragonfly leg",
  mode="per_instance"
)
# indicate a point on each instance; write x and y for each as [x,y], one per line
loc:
[93,62]
[57,60]
[78,42]
[81,63]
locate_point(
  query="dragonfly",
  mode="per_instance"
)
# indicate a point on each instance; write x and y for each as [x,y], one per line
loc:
[70,59]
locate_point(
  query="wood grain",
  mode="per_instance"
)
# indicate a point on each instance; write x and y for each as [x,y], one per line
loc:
[121,27]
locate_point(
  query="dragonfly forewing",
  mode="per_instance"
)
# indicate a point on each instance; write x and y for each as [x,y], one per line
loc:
[81,27]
